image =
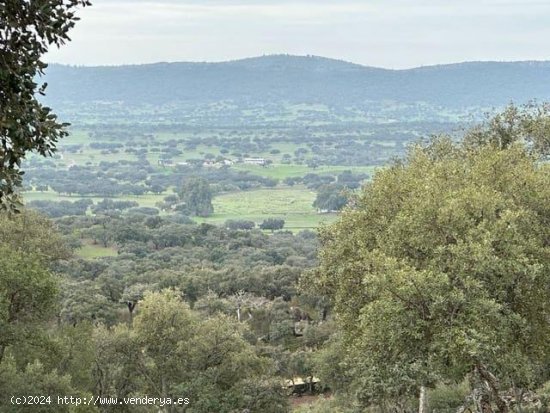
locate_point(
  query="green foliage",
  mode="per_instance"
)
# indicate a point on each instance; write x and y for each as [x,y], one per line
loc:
[36,380]
[31,233]
[239,224]
[528,124]
[28,30]
[329,405]
[85,301]
[95,251]
[447,398]
[330,198]
[197,196]
[315,335]
[440,270]
[273,224]
[544,393]
[28,294]
[331,365]
[118,368]
[205,360]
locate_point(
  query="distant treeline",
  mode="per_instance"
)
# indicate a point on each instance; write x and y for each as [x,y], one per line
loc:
[290,79]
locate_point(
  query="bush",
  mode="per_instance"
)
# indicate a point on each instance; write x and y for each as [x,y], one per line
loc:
[273,224]
[447,398]
[236,224]
[144,211]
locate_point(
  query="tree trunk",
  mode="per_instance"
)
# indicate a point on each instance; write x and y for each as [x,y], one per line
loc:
[518,393]
[422,400]
[485,404]
[131,307]
[469,400]
[492,384]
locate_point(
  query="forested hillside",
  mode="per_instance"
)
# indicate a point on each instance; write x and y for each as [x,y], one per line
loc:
[431,281]
[294,80]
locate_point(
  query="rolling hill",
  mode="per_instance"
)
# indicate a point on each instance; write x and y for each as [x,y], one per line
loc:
[293,79]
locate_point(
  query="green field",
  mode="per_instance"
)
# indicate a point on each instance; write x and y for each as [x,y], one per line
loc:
[294,205]
[95,251]
[282,171]
[148,200]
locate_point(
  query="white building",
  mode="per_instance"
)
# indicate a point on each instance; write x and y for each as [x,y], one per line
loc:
[254,161]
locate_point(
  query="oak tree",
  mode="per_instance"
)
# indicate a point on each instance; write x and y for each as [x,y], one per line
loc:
[441,272]
[27,30]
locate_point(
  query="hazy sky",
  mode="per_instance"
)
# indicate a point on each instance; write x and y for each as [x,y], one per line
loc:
[386,33]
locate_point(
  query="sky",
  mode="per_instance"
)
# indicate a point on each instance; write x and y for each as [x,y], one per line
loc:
[384,33]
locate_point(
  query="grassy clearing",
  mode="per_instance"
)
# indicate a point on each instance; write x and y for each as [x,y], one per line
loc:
[282,171]
[54,196]
[95,251]
[148,200]
[76,136]
[294,205]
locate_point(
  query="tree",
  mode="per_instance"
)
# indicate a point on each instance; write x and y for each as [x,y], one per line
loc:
[118,364]
[206,360]
[28,293]
[27,30]
[84,300]
[157,189]
[440,272]
[31,233]
[330,197]
[197,196]
[236,224]
[36,379]
[528,124]
[273,224]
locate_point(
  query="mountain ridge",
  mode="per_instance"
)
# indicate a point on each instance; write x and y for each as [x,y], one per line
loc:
[310,57]
[301,79]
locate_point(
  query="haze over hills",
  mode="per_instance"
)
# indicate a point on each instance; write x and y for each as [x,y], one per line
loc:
[295,80]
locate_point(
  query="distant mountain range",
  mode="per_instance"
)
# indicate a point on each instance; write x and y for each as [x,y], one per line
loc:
[292,79]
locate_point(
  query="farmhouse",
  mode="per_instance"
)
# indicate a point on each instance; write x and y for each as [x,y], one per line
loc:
[165,162]
[209,164]
[254,161]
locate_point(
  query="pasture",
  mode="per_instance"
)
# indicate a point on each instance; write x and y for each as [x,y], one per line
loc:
[293,204]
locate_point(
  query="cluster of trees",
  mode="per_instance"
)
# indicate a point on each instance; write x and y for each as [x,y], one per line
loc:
[315,181]
[197,197]
[333,194]
[107,206]
[124,179]
[218,303]
[273,224]
[331,198]
[239,224]
[436,275]
[439,273]
[57,209]
[108,179]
